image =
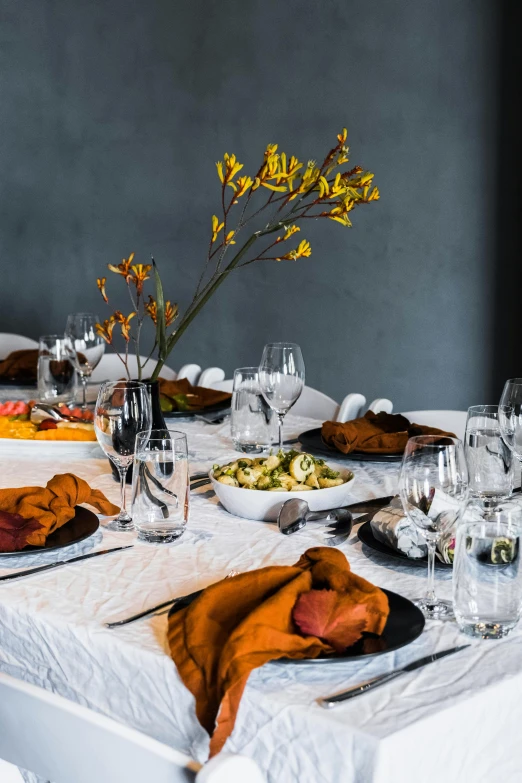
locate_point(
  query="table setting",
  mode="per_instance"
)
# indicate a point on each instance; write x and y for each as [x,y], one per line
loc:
[221,573]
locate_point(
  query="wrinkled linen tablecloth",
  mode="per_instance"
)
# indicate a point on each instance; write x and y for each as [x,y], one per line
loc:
[456,720]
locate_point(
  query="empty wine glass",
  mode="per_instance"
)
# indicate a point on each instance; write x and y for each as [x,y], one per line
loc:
[281,378]
[510,416]
[122,410]
[433,487]
[89,346]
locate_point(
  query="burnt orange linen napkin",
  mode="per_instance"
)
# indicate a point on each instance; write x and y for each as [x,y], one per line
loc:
[242,622]
[375,433]
[20,365]
[52,506]
[198,396]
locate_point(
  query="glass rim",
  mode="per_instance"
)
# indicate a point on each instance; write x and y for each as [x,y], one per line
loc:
[513,380]
[53,337]
[124,384]
[482,408]
[281,344]
[247,369]
[172,434]
[431,440]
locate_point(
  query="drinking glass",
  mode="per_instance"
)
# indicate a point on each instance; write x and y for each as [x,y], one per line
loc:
[487,572]
[433,487]
[88,345]
[56,373]
[510,416]
[160,485]
[122,410]
[281,378]
[490,461]
[252,420]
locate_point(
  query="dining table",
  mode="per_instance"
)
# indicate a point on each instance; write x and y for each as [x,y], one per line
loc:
[455,720]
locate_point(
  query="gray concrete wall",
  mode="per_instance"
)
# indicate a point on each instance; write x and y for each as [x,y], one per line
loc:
[114,113]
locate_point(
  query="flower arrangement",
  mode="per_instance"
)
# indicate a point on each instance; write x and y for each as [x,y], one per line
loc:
[294,192]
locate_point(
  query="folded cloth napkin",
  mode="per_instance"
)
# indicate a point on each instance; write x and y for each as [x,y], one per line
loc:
[392,527]
[197,396]
[375,433]
[20,365]
[315,606]
[50,507]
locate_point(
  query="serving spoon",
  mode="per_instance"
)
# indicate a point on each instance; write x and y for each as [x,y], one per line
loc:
[295,514]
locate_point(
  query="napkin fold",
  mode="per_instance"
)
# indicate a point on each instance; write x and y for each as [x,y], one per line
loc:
[375,433]
[20,365]
[197,396]
[242,622]
[51,507]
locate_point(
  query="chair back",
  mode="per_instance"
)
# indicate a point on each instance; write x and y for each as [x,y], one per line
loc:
[381,405]
[14,342]
[191,372]
[451,421]
[210,376]
[67,743]
[351,407]
[111,368]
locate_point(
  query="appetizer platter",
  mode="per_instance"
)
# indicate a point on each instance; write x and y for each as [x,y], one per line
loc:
[40,426]
[272,480]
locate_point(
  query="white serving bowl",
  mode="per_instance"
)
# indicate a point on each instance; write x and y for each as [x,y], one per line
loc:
[265,505]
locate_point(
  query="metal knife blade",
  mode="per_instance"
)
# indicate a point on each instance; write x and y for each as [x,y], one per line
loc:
[331,701]
[48,567]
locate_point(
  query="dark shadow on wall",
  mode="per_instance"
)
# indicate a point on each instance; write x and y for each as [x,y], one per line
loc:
[507,333]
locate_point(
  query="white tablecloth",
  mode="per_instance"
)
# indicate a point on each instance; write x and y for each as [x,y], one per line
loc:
[456,720]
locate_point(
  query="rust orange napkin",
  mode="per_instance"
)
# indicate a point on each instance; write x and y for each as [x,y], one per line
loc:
[198,396]
[44,509]
[20,365]
[375,433]
[315,606]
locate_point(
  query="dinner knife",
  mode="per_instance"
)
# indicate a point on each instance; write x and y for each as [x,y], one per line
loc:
[48,567]
[375,682]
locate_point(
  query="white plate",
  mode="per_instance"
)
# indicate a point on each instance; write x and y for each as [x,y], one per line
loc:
[265,506]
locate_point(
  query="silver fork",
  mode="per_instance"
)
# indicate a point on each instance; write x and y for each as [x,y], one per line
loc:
[153,609]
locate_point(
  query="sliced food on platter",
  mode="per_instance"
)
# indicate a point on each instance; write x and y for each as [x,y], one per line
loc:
[21,421]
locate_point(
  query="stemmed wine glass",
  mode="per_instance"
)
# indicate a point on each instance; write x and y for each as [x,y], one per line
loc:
[433,487]
[122,411]
[510,416]
[89,346]
[281,378]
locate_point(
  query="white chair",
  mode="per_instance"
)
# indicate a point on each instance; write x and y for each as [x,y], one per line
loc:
[381,405]
[451,421]
[191,372]
[210,376]
[14,342]
[67,743]
[111,368]
[314,404]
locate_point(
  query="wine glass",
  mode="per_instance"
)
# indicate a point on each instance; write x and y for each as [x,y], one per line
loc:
[510,416]
[433,487]
[281,378]
[89,346]
[122,411]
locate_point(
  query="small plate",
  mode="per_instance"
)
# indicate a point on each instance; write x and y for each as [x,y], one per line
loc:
[224,406]
[405,623]
[312,441]
[366,537]
[81,526]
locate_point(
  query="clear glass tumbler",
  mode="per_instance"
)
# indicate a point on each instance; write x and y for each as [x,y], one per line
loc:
[253,423]
[160,486]
[56,373]
[490,461]
[487,573]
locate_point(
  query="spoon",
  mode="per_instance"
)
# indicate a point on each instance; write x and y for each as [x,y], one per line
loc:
[41,411]
[295,514]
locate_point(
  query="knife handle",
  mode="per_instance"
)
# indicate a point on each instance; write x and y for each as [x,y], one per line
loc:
[351,693]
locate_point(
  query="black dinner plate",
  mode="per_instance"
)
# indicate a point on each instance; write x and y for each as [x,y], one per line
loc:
[81,526]
[312,440]
[405,623]
[22,383]
[224,406]
[365,535]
